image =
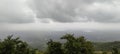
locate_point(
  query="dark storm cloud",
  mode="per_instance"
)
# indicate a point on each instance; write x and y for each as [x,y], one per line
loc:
[76,10]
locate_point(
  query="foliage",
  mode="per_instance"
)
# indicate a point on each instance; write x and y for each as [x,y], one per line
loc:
[77,45]
[105,52]
[54,48]
[15,46]
[115,51]
[72,46]
[106,46]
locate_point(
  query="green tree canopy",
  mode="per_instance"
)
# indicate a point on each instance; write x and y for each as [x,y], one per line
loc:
[54,48]
[77,45]
[14,46]
[115,51]
[72,46]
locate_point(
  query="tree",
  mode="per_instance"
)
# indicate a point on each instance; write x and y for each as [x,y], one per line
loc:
[14,46]
[54,48]
[77,45]
[115,51]
[105,52]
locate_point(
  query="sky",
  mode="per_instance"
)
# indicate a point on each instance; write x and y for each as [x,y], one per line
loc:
[59,15]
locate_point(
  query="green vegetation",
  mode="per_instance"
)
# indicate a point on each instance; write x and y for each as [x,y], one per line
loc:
[106,46]
[54,48]
[71,45]
[77,45]
[15,46]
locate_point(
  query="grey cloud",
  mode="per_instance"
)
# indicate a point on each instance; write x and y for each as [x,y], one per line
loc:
[65,10]
[101,16]
[15,19]
[12,11]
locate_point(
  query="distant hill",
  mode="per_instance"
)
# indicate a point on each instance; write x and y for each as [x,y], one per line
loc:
[106,46]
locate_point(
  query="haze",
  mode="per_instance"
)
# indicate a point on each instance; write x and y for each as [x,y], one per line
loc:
[31,19]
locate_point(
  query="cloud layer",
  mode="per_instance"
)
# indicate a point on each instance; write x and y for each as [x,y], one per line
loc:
[14,11]
[26,11]
[78,10]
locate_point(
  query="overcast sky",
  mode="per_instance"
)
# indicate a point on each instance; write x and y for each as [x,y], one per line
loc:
[59,15]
